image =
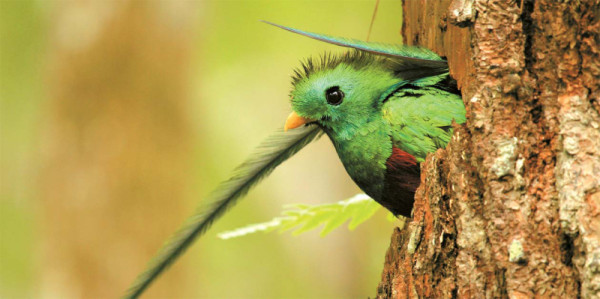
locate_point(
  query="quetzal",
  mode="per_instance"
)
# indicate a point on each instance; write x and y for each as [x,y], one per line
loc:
[384,107]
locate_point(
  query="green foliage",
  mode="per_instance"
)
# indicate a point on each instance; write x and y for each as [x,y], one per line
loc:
[303,217]
[272,152]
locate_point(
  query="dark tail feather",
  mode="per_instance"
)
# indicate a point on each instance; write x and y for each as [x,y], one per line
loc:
[272,152]
[407,55]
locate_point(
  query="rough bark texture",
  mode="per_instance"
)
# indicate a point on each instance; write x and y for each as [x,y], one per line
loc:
[511,208]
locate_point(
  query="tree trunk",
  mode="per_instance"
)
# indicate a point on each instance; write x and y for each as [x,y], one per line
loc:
[511,207]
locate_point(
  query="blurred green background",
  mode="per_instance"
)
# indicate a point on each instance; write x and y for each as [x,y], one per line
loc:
[117,117]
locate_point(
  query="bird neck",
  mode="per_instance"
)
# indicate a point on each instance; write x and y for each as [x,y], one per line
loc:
[363,149]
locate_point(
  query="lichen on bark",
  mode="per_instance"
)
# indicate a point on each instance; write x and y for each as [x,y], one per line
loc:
[510,208]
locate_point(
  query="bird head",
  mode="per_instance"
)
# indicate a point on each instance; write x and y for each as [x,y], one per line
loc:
[335,92]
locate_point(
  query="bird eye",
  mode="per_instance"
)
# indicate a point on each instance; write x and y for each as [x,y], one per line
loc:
[334,95]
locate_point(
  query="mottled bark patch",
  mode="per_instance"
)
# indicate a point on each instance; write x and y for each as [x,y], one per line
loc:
[510,208]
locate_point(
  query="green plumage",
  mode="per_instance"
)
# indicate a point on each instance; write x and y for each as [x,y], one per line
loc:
[381,110]
[421,119]
[384,107]
[412,59]
[272,152]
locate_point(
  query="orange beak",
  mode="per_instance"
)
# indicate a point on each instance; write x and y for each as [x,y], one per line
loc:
[294,120]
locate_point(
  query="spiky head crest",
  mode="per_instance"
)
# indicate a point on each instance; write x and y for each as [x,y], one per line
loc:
[357,79]
[355,58]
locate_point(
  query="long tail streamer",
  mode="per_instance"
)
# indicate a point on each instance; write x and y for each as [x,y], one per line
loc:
[409,55]
[273,151]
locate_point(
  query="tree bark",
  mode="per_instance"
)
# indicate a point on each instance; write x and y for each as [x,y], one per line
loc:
[511,207]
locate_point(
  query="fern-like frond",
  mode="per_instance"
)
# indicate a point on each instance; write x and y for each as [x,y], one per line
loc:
[272,152]
[303,217]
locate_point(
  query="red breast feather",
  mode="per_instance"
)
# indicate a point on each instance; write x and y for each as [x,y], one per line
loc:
[401,180]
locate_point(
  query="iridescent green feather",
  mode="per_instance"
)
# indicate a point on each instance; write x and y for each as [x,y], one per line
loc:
[272,152]
[422,57]
[408,62]
[421,119]
[362,132]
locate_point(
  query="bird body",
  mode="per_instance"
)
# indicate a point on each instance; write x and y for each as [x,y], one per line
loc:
[384,124]
[384,107]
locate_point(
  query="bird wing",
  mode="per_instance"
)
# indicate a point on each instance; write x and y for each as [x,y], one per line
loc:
[420,115]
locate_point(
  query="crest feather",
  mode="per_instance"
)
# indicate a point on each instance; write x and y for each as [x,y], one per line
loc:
[406,62]
[356,59]
[409,55]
